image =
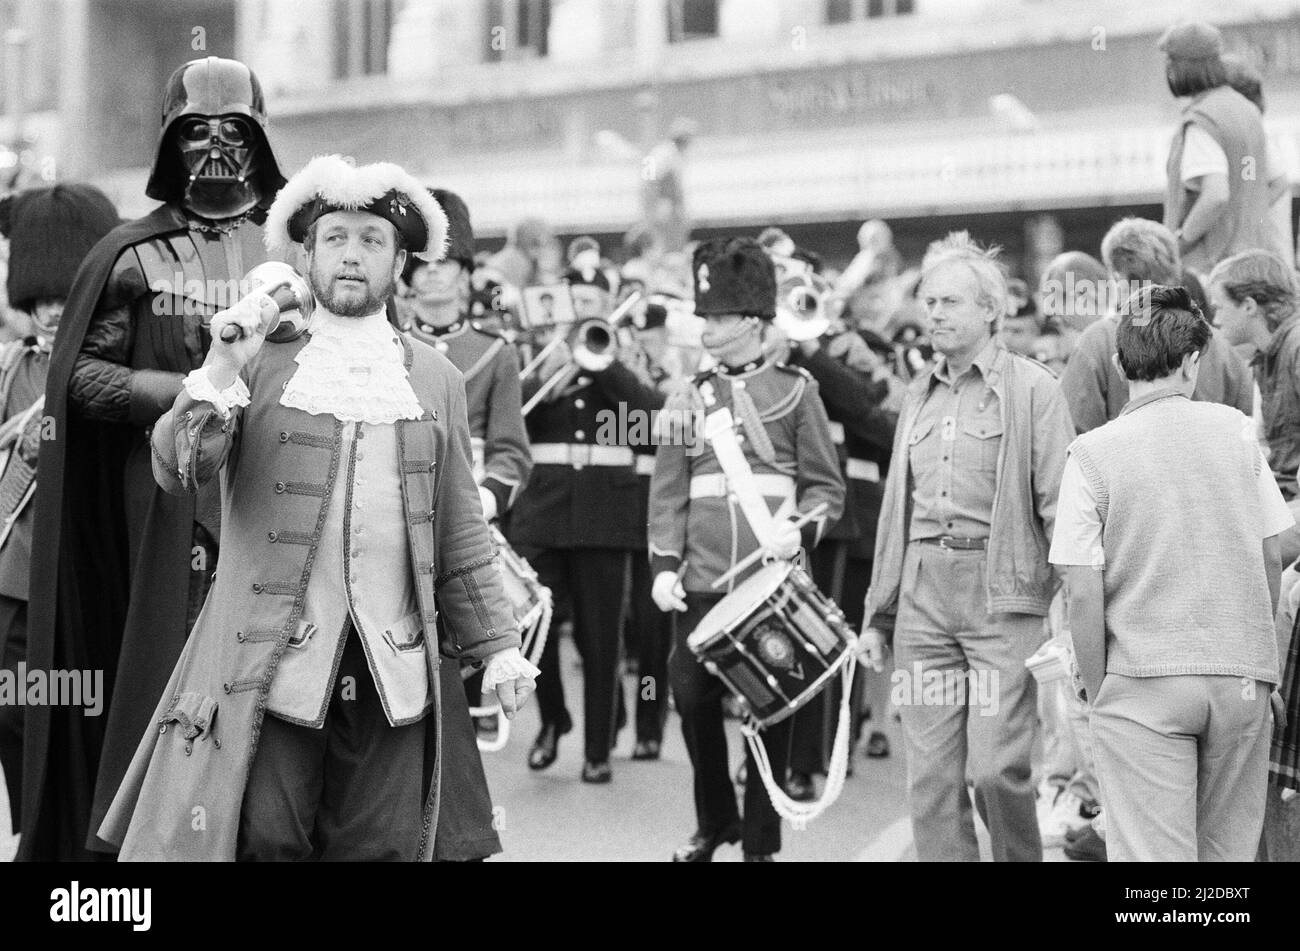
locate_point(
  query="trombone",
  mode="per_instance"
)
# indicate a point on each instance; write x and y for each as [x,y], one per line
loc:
[598,337]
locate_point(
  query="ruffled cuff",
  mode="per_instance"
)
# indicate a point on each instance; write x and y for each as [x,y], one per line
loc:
[506,666]
[199,386]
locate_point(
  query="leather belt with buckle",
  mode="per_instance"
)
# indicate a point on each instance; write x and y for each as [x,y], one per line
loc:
[953,543]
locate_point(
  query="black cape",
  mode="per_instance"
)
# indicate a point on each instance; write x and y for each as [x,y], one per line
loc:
[80,585]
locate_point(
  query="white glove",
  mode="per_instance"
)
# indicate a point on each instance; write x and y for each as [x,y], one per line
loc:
[785,541]
[668,593]
[489,503]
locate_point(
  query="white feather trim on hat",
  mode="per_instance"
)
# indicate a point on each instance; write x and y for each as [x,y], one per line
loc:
[339,182]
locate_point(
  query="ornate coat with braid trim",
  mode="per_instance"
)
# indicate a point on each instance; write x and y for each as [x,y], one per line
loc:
[200,746]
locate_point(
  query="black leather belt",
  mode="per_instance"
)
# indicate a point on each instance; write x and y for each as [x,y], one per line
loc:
[953,543]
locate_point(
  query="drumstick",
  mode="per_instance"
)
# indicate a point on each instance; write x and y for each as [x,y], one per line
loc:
[758,553]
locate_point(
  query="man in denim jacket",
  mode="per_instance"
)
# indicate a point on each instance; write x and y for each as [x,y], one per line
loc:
[961,573]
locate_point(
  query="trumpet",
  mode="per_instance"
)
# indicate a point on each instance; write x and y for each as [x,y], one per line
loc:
[597,337]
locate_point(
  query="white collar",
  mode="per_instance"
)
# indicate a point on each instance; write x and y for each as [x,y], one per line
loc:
[352,368]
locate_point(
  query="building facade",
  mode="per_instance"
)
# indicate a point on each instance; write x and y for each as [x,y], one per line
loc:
[1039,119]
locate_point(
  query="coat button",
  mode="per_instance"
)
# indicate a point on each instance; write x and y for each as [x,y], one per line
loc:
[188,416]
[579,404]
[579,434]
[240,636]
[189,748]
[216,742]
[163,728]
[279,487]
[226,687]
[284,437]
[272,536]
[257,587]
[432,466]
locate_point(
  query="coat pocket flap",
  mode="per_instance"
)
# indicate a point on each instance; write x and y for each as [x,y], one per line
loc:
[982,428]
[195,713]
[920,430]
[406,634]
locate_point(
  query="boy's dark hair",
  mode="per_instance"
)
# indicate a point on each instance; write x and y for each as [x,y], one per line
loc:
[1159,326]
[1190,77]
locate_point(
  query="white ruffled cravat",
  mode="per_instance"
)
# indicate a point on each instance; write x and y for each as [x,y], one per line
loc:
[353,368]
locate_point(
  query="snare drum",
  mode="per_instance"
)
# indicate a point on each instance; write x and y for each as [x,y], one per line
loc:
[529,598]
[775,641]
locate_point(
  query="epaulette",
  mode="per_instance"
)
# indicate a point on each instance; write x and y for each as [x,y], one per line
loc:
[487,331]
[790,368]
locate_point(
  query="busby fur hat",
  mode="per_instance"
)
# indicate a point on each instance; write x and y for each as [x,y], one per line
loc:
[50,231]
[329,183]
[460,233]
[734,276]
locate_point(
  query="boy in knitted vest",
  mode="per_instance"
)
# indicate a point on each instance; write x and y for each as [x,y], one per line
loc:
[1166,529]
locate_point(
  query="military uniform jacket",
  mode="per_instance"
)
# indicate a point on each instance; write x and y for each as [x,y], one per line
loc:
[583,502]
[496,425]
[691,519]
[863,432]
[277,467]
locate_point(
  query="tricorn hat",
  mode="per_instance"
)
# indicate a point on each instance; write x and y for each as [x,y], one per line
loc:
[329,183]
[50,231]
[734,276]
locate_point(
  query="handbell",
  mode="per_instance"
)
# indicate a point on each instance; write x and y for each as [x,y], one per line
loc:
[292,295]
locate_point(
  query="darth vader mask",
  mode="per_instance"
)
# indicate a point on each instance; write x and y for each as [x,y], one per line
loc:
[219,156]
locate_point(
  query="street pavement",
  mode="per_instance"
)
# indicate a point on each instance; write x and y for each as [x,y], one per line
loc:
[647,811]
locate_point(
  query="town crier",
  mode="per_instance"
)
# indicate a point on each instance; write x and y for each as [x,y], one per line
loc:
[303,719]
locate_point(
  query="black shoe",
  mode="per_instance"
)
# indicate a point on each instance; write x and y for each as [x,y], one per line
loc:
[596,772]
[877,745]
[545,747]
[699,848]
[800,788]
[751,857]
[646,749]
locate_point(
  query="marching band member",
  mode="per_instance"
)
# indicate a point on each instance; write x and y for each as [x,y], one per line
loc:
[439,314]
[578,520]
[697,531]
[649,629]
[960,571]
[349,504]
[50,231]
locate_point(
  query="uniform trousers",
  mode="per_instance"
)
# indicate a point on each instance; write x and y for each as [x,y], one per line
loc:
[966,700]
[350,791]
[594,582]
[652,630]
[699,704]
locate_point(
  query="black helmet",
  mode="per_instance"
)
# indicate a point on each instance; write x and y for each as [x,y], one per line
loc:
[211,87]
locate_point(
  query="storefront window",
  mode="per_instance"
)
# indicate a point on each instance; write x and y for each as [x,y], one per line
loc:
[692,19]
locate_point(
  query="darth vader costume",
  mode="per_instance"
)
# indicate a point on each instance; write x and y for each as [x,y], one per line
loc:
[122,568]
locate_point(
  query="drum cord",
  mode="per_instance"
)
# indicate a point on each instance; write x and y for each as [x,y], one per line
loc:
[537,624]
[800,814]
